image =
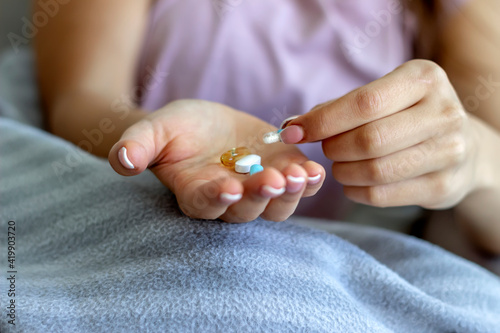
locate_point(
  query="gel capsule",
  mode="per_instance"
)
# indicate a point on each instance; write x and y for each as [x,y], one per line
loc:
[230,157]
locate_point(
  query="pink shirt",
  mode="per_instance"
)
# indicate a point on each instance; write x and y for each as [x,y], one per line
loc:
[274,59]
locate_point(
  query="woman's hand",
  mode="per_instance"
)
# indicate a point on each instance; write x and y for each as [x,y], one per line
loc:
[404,139]
[182,144]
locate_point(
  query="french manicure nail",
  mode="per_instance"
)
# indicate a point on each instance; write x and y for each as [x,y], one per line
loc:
[294,184]
[292,134]
[122,156]
[297,180]
[314,180]
[230,198]
[269,191]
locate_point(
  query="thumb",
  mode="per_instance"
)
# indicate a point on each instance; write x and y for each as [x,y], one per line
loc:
[309,127]
[138,147]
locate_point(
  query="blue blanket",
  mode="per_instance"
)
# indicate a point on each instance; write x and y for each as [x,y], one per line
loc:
[97,252]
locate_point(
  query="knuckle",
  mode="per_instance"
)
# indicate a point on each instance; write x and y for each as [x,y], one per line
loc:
[458,150]
[455,115]
[380,172]
[429,71]
[339,172]
[442,186]
[368,103]
[375,196]
[345,173]
[371,139]
[371,195]
[329,147]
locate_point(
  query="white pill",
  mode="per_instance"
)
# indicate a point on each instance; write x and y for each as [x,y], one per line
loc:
[271,137]
[243,165]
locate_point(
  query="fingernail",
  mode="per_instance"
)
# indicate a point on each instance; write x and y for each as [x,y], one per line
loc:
[230,198]
[122,156]
[271,192]
[294,184]
[292,134]
[313,180]
[287,120]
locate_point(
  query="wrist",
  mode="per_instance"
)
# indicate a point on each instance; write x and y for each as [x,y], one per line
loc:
[487,162]
[477,213]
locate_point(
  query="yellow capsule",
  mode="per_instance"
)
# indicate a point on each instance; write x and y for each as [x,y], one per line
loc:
[230,157]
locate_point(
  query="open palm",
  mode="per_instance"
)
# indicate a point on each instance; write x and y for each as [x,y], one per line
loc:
[182,144]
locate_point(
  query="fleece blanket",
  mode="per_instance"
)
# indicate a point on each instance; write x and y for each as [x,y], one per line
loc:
[86,250]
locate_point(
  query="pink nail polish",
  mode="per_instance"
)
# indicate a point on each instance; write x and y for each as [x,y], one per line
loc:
[292,134]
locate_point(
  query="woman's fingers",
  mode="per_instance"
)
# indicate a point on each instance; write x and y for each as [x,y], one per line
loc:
[139,145]
[259,189]
[396,91]
[430,156]
[209,199]
[315,177]
[432,191]
[281,207]
[389,135]
[270,194]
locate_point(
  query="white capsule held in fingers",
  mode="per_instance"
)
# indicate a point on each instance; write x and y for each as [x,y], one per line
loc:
[271,137]
[243,165]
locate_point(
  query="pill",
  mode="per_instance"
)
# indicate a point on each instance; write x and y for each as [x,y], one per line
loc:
[244,164]
[230,157]
[272,137]
[256,168]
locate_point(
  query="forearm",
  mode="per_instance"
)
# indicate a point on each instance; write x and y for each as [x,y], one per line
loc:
[93,124]
[478,213]
[469,52]
[86,60]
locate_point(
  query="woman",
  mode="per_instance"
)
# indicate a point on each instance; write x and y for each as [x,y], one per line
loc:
[425,134]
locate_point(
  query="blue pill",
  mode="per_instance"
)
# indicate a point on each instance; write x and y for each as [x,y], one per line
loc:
[255,169]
